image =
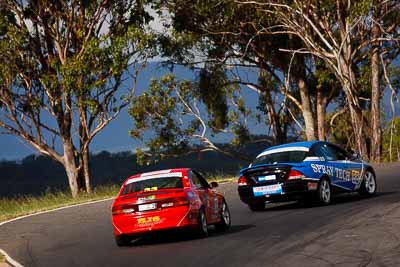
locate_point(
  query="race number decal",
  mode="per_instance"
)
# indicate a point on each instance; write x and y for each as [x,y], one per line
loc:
[149,221]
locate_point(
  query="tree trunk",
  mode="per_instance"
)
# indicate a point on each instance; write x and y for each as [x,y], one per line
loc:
[309,120]
[273,119]
[86,170]
[70,167]
[376,131]
[84,153]
[356,117]
[322,100]
[347,77]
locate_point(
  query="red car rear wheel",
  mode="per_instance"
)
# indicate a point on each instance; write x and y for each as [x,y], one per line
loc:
[225,222]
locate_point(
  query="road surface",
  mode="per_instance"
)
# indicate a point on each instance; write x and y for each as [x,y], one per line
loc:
[351,232]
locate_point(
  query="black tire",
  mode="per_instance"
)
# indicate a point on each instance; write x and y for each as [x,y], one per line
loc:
[225,215]
[324,191]
[258,206]
[202,230]
[368,185]
[122,240]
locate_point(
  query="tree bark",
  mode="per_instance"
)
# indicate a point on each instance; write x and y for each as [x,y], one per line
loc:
[86,170]
[70,167]
[376,131]
[309,120]
[347,77]
[356,117]
[322,100]
[84,152]
[273,119]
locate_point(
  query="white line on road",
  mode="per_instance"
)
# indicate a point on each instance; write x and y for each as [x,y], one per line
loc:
[10,260]
[48,211]
[16,263]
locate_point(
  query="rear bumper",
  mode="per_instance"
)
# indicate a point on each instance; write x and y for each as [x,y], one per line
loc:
[291,190]
[140,223]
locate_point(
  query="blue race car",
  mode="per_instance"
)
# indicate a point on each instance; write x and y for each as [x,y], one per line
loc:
[304,171]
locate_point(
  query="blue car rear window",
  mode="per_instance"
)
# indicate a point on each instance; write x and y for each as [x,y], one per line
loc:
[281,157]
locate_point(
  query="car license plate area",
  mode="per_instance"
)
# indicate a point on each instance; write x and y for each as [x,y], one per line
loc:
[145,207]
[266,178]
[267,190]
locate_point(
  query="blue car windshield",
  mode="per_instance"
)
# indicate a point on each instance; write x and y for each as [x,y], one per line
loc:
[281,157]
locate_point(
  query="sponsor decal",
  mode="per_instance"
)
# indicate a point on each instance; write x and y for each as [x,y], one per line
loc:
[151,197]
[149,221]
[267,190]
[147,189]
[341,174]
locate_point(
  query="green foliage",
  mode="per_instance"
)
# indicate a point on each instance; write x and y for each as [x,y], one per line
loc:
[212,90]
[391,141]
[69,60]
[172,115]
[341,130]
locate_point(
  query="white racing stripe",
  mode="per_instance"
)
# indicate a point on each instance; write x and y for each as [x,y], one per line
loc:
[143,178]
[284,149]
[155,173]
[314,159]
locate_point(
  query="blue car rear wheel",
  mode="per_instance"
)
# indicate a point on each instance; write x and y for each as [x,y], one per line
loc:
[324,191]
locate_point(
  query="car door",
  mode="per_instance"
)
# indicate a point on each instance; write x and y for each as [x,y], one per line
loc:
[346,169]
[336,165]
[354,167]
[209,198]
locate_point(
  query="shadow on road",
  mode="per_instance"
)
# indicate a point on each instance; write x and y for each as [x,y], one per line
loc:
[343,199]
[182,236]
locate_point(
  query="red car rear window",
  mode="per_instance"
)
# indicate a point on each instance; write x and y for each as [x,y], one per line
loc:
[153,185]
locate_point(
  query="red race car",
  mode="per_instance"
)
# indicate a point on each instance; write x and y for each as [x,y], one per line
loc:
[167,199]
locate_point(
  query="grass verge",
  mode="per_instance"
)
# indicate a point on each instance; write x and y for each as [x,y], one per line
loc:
[220,178]
[24,205]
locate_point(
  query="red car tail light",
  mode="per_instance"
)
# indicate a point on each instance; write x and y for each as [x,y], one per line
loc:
[242,181]
[116,210]
[122,209]
[293,174]
[185,181]
[181,202]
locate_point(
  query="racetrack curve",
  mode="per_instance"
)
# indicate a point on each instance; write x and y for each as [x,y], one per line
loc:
[353,231]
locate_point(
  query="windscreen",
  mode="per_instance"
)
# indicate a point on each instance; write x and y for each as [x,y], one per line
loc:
[153,184]
[281,157]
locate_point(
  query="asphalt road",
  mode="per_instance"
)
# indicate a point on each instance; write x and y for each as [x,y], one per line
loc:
[351,232]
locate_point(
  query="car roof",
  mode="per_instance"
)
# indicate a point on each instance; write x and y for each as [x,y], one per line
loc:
[306,144]
[165,171]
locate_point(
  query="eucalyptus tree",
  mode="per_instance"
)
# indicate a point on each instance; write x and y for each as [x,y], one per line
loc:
[68,68]
[341,34]
[215,36]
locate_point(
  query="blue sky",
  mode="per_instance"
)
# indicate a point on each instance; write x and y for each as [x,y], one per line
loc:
[115,136]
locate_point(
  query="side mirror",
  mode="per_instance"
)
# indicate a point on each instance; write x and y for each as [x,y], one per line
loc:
[356,156]
[214,184]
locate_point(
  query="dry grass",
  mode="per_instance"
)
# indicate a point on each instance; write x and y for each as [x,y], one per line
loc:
[24,205]
[3,261]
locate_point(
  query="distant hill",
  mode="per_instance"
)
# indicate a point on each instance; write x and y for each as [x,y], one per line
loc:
[35,175]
